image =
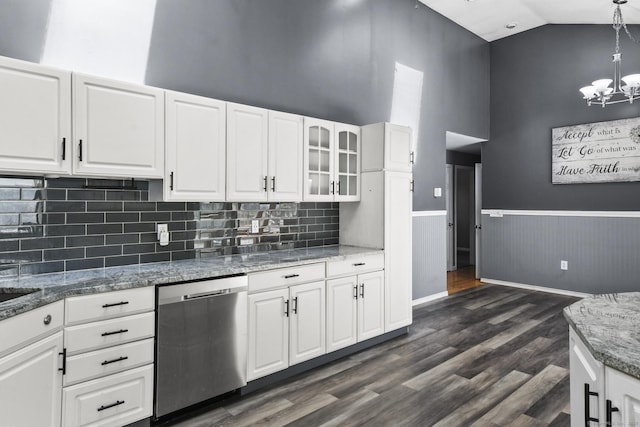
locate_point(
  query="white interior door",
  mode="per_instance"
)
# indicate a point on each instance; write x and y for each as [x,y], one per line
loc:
[451,242]
[478,215]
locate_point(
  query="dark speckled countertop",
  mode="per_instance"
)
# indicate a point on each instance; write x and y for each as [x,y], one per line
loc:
[48,288]
[610,326]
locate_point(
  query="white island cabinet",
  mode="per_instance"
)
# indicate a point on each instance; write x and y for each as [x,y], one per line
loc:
[31,367]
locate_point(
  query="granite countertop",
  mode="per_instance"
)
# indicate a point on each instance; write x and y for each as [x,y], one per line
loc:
[610,327]
[48,288]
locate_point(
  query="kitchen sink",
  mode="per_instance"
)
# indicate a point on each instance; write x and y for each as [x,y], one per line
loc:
[6,296]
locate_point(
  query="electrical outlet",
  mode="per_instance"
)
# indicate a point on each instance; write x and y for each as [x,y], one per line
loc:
[255,226]
[564,265]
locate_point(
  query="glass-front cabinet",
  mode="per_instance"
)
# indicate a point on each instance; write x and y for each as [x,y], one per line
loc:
[318,172]
[347,163]
[332,161]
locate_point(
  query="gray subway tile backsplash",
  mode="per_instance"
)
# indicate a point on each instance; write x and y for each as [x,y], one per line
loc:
[66,224]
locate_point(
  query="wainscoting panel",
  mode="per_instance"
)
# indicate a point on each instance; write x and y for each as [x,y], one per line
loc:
[603,252]
[429,253]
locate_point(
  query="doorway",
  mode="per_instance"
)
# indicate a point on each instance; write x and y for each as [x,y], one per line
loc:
[463,193]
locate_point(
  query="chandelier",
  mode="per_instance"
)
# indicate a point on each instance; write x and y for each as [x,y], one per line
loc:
[624,89]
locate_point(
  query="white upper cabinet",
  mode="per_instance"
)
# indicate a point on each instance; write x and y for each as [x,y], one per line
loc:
[319,157]
[332,161]
[118,128]
[35,118]
[195,148]
[388,148]
[247,153]
[347,163]
[285,157]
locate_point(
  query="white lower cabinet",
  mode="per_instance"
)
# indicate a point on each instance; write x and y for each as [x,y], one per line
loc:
[31,384]
[115,400]
[286,326]
[600,395]
[355,309]
[109,348]
[622,406]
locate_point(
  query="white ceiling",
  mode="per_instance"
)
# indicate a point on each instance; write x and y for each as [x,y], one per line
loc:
[487,18]
[463,143]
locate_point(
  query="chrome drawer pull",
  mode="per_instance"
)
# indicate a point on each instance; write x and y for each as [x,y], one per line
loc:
[121,331]
[289,276]
[103,407]
[119,359]
[115,304]
[359,264]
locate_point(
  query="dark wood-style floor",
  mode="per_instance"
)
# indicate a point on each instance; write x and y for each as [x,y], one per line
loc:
[489,356]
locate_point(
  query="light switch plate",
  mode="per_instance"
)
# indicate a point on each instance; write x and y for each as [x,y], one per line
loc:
[564,265]
[437,192]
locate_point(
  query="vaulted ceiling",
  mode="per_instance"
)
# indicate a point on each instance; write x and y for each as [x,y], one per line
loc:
[489,18]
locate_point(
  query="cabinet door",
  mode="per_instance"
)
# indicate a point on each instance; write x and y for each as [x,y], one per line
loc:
[35,118]
[31,384]
[397,250]
[195,147]
[307,322]
[247,143]
[285,157]
[347,163]
[318,183]
[623,394]
[118,128]
[397,150]
[268,350]
[370,305]
[342,309]
[585,371]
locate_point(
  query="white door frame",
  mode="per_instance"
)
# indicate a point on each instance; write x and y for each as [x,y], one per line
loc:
[478,216]
[451,237]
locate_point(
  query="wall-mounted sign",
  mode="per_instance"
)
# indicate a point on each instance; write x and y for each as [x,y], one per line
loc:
[596,152]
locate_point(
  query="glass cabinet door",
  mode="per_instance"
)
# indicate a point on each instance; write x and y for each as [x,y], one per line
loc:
[319,184]
[347,163]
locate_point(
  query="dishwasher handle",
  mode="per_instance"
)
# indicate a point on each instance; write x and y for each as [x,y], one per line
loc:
[209,294]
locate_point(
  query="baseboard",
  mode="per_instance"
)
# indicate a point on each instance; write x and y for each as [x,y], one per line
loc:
[535,288]
[430,298]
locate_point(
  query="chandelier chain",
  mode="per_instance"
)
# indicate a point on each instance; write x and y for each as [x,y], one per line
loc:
[618,22]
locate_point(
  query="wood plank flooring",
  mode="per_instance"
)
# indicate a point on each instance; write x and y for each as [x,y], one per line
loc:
[462,279]
[489,356]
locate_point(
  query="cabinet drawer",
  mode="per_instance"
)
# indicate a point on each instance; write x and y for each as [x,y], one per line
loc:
[93,336]
[272,279]
[25,328]
[355,265]
[89,308]
[115,400]
[108,361]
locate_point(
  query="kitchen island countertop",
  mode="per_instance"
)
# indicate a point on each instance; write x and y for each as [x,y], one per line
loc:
[48,288]
[609,325]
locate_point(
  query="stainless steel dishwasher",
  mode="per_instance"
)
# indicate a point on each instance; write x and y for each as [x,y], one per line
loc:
[201,342]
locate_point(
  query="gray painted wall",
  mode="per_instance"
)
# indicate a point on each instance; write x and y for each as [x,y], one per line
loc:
[603,253]
[534,87]
[535,77]
[332,59]
[429,255]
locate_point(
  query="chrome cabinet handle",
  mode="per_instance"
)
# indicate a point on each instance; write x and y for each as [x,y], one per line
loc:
[273,183]
[265,179]
[47,319]
[290,276]
[355,292]
[362,290]
[294,310]
[286,308]
[64,148]
[359,264]
[171,181]
[80,151]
